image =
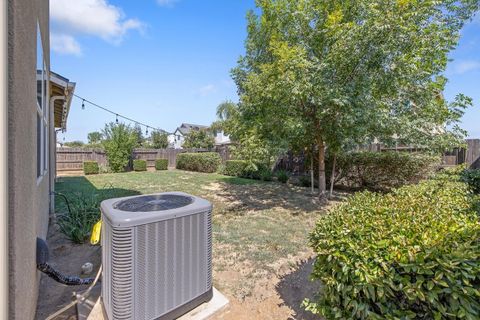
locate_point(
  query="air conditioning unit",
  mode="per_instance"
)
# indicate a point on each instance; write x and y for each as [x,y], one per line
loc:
[157,255]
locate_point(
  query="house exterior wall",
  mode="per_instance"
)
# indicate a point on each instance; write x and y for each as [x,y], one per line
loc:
[28,196]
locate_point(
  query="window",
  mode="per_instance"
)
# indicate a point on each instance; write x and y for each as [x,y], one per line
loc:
[42,109]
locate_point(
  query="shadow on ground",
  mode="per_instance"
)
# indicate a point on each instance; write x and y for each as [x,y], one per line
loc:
[267,196]
[294,287]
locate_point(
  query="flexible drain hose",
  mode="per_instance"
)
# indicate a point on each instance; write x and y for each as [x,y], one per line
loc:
[42,265]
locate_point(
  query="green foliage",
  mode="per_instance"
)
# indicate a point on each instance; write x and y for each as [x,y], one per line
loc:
[472,178]
[235,168]
[265,174]
[159,140]
[200,162]
[331,73]
[74,144]
[119,142]
[409,254]
[94,138]
[139,165]
[90,167]
[381,171]
[161,164]
[199,139]
[140,139]
[282,176]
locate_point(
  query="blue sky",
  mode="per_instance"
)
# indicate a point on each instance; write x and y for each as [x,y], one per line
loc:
[164,62]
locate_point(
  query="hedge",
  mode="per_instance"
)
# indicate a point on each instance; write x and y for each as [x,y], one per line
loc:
[161,164]
[413,253]
[244,169]
[472,178]
[139,165]
[90,167]
[236,168]
[200,162]
[381,171]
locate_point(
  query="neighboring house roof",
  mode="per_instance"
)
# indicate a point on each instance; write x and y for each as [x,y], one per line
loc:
[185,128]
[61,86]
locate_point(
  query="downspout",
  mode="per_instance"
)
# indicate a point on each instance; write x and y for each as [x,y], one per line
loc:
[4,259]
[52,144]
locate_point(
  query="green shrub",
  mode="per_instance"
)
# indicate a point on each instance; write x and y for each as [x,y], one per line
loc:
[380,171]
[472,178]
[236,168]
[90,167]
[119,142]
[305,181]
[282,176]
[413,253]
[266,174]
[161,164]
[139,165]
[200,162]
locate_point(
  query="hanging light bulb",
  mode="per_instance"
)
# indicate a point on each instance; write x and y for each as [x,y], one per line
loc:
[116,118]
[83,104]
[146,131]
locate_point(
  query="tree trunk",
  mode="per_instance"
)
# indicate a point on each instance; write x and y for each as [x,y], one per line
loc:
[322,185]
[332,178]
[312,174]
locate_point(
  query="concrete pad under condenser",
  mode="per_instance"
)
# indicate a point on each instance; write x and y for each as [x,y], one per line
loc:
[214,308]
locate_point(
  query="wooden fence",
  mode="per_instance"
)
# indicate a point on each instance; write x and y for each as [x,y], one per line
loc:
[71,159]
[295,163]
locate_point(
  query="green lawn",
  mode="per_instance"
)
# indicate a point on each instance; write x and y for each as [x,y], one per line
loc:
[258,227]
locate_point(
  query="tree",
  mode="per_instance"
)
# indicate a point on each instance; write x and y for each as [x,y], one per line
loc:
[199,139]
[119,142]
[94,138]
[74,144]
[319,74]
[159,140]
[139,134]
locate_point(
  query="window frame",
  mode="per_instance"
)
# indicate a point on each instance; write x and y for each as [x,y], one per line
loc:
[42,110]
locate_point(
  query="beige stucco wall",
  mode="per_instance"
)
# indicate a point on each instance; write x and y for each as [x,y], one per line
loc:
[28,198]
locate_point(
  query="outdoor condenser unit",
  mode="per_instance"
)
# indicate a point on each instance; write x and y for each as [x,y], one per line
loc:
[157,255]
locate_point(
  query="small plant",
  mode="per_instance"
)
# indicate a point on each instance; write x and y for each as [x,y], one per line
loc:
[161,164]
[90,167]
[266,174]
[472,178]
[282,176]
[305,181]
[139,165]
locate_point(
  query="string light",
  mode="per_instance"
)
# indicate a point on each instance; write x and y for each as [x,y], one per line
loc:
[146,131]
[117,115]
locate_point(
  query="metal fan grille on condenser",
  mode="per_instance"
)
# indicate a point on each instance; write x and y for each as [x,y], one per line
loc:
[153,203]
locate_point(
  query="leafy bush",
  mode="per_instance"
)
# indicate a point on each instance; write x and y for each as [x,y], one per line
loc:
[236,168]
[159,140]
[266,174]
[282,176]
[90,167]
[305,181]
[161,164]
[199,139]
[381,171]
[413,253]
[139,165]
[200,162]
[119,141]
[472,178]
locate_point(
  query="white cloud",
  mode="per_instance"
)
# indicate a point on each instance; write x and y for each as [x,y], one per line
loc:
[166,3]
[91,17]
[466,66]
[206,90]
[64,44]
